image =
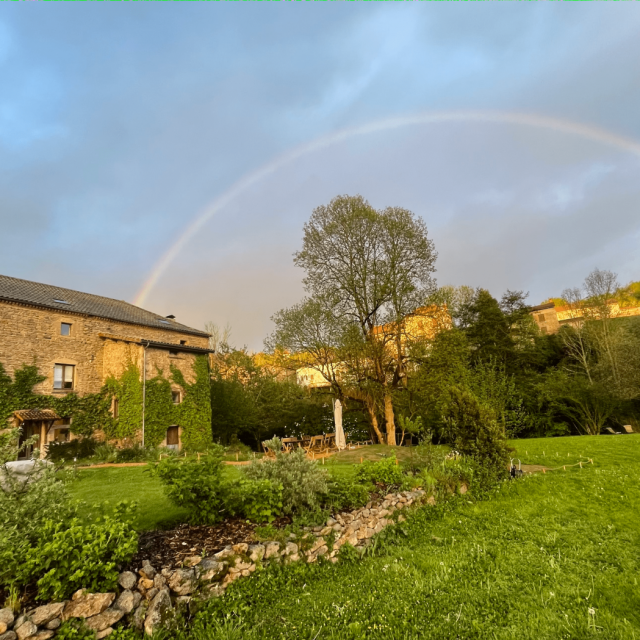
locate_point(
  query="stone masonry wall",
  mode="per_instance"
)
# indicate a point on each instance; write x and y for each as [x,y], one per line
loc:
[29,334]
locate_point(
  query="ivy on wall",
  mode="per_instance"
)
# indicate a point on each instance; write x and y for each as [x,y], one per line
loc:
[127,389]
[89,412]
[160,412]
[194,412]
[93,411]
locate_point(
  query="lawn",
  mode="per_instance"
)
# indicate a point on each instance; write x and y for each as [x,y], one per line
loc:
[109,485]
[549,556]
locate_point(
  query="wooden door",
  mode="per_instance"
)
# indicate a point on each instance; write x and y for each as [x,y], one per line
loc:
[173,437]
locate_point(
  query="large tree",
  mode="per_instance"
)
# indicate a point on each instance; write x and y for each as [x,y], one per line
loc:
[366,270]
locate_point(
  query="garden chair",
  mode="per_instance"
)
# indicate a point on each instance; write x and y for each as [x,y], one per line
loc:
[289,444]
[315,445]
[330,442]
[611,432]
[267,452]
[627,428]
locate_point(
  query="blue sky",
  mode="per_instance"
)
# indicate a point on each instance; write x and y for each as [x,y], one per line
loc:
[119,123]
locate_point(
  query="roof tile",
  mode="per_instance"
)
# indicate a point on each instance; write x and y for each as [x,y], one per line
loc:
[50,297]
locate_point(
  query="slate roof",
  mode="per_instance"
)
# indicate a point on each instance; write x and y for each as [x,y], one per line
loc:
[69,301]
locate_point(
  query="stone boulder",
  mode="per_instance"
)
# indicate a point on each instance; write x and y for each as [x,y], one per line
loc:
[25,630]
[256,552]
[127,580]
[209,569]
[87,605]
[105,619]
[44,614]
[183,582]
[158,611]
[22,471]
[125,601]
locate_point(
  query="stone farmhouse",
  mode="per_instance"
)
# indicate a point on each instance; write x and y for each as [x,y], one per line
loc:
[79,340]
[550,317]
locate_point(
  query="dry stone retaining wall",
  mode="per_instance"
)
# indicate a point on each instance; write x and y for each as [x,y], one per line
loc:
[148,599]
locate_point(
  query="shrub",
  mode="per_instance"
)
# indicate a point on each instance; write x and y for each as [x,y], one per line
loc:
[196,485]
[67,451]
[25,506]
[474,432]
[75,630]
[256,500]
[384,472]
[274,445]
[104,453]
[136,453]
[302,480]
[71,556]
[344,493]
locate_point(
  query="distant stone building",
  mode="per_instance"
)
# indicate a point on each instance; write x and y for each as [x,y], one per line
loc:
[550,318]
[79,340]
[423,323]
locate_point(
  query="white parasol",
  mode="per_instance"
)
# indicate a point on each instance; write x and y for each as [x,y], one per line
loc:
[341,442]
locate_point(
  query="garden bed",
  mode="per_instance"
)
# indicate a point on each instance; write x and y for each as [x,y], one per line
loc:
[170,548]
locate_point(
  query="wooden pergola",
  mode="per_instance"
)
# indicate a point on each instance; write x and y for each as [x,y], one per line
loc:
[34,422]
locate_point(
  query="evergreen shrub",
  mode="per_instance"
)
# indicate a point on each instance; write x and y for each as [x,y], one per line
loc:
[303,482]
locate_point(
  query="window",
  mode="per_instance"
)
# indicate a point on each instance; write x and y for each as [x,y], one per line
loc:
[183,342]
[61,435]
[65,329]
[175,396]
[63,376]
[541,317]
[173,353]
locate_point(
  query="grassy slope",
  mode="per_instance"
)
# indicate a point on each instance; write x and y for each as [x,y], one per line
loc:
[530,563]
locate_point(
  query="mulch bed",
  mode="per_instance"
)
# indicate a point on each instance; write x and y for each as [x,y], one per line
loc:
[170,548]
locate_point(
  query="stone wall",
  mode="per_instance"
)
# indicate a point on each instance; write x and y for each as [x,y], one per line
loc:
[29,334]
[147,599]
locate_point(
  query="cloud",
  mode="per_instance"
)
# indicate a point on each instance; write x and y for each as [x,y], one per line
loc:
[117,128]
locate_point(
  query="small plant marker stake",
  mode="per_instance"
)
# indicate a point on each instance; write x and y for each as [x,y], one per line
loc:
[360,459]
[236,456]
[581,464]
[565,468]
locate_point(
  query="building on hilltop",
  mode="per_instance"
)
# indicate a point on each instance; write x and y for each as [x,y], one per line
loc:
[82,345]
[422,324]
[550,317]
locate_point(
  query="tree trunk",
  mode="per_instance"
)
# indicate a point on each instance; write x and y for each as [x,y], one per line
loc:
[390,422]
[374,423]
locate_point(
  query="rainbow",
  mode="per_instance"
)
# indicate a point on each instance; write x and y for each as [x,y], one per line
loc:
[525,119]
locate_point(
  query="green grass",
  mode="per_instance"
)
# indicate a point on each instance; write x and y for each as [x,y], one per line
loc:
[109,485]
[549,556]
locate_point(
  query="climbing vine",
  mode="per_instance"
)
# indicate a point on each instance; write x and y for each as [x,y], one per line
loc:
[160,412]
[194,413]
[89,412]
[127,389]
[93,411]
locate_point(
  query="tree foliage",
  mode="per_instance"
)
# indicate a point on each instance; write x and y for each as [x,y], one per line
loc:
[366,271]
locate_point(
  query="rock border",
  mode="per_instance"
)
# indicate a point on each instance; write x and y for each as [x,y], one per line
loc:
[147,600]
